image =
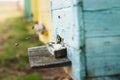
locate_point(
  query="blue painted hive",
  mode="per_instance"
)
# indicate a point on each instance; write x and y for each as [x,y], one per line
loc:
[91,31]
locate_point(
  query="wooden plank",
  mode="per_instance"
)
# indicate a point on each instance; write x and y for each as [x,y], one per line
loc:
[103,56]
[103,46]
[70,27]
[62,4]
[65,25]
[57,23]
[100,4]
[44,19]
[79,58]
[87,4]
[115,77]
[56,4]
[102,23]
[102,38]
[103,66]
[40,57]
[35,10]
[28,10]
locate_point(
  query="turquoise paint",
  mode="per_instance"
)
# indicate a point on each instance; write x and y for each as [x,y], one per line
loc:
[103,56]
[100,4]
[91,31]
[103,19]
[28,10]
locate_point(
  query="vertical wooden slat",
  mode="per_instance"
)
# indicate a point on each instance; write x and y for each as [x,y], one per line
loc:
[78,60]
[35,10]
[28,10]
[45,20]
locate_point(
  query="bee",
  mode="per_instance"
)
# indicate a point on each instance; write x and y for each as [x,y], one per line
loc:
[17,44]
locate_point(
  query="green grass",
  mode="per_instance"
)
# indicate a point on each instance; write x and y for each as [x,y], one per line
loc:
[16,37]
[32,76]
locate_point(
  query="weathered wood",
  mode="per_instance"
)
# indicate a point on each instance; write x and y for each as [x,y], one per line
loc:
[40,57]
[100,23]
[69,28]
[44,19]
[103,56]
[100,4]
[115,77]
[57,50]
[91,31]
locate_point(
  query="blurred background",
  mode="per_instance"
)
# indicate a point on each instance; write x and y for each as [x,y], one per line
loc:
[16,36]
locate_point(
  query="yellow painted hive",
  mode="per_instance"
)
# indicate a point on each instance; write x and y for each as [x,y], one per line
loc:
[44,20]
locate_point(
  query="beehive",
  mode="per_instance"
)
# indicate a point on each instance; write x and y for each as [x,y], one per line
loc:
[35,10]
[91,31]
[44,20]
[28,10]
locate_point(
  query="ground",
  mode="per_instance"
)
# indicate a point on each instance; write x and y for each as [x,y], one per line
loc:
[16,35]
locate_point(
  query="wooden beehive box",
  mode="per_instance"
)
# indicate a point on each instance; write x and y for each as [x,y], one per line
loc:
[28,10]
[91,31]
[34,4]
[41,16]
[40,57]
[45,20]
